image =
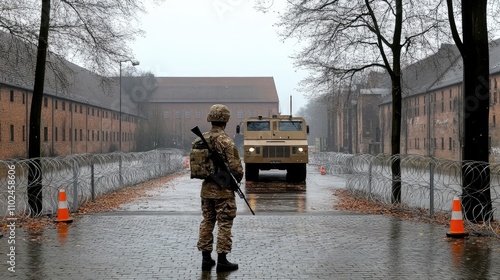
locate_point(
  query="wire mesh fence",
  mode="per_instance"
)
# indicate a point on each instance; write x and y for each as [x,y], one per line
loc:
[426,183]
[83,177]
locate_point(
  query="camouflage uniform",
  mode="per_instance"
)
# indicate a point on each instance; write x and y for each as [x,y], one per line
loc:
[218,204]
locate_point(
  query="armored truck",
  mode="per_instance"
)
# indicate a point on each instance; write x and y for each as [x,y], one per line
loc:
[276,142]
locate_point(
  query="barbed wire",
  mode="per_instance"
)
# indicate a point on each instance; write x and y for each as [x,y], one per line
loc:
[82,176]
[426,183]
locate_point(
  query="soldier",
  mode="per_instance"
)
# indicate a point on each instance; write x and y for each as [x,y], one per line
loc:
[219,204]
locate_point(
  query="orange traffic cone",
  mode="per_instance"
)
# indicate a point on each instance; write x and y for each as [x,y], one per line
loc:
[186,164]
[62,211]
[457,223]
[323,172]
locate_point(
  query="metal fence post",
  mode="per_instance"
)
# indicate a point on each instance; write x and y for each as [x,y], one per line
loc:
[431,188]
[75,186]
[370,177]
[92,186]
[120,171]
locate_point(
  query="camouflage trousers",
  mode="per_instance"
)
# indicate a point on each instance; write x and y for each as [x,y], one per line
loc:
[221,211]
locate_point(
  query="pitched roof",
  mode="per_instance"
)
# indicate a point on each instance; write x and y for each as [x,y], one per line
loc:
[214,89]
[420,76]
[17,69]
[454,75]
[443,69]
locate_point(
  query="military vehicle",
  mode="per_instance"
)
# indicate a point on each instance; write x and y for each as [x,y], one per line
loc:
[276,142]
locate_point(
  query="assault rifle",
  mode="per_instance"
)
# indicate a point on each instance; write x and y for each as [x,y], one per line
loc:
[223,178]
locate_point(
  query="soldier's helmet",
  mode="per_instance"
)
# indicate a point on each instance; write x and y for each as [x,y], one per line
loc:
[218,113]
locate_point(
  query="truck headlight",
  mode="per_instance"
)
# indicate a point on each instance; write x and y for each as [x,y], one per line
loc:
[251,150]
[301,150]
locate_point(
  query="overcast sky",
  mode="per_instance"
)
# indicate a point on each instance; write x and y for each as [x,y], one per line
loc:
[218,38]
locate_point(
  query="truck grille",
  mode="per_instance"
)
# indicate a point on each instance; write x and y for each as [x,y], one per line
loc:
[276,152]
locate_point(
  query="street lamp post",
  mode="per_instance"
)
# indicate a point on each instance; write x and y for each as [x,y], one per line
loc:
[134,63]
[354,111]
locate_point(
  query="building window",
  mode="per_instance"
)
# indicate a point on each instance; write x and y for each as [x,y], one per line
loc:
[88,134]
[81,111]
[442,143]
[92,111]
[55,131]
[24,133]
[11,96]
[45,134]
[177,114]
[64,134]
[45,102]
[64,106]
[450,143]
[198,114]
[70,131]
[240,114]
[187,114]
[81,134]
[92,133]
[166,114]
[24,96]
[12,132]
[251,113]
[494,120]
[55,104]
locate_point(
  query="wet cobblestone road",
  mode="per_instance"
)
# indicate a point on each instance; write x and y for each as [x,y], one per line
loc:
[146,241]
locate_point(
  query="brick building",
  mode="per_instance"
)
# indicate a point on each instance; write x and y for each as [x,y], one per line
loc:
[81,113]
[431,110]
[70,124]
[89,122]
[432,106]
[181,103]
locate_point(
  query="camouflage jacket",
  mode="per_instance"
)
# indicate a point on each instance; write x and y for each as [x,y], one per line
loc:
[226,148]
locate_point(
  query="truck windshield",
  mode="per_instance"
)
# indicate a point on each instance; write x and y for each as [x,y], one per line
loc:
[290,125]
[258,126]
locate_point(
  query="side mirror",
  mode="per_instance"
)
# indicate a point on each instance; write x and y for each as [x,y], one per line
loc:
[238,129]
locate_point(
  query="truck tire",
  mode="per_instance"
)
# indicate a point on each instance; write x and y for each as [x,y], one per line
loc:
[296,173]
[251,172]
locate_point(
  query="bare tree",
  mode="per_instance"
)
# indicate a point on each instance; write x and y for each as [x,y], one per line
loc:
[343,38]
[473,47]
[90,33]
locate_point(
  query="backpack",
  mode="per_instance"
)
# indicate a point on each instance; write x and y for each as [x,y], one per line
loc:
[199,162]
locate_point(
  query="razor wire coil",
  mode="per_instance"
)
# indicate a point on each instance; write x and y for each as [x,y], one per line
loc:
[82,176]
[426,182]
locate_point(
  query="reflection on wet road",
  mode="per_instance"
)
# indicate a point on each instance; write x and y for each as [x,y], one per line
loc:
[295,234]
[270,194]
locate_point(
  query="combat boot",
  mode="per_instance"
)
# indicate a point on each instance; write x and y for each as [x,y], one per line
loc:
[224,265]
[207,262]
